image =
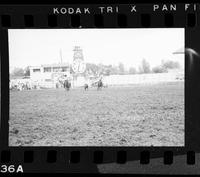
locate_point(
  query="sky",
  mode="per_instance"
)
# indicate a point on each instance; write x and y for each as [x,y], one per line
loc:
[35,47]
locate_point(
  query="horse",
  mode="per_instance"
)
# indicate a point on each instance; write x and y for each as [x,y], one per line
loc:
[67,85]
[99,85]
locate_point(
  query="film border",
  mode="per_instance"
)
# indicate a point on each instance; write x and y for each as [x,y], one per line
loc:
[85,159]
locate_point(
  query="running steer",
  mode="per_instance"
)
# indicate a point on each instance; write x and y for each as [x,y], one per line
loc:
[67,85]
[86,86]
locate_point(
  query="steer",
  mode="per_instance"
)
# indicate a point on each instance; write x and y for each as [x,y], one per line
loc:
[86,86]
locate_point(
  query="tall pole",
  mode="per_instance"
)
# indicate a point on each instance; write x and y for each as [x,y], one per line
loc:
[61,55]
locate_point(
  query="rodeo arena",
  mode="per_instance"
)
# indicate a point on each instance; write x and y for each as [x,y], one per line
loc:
[65,104]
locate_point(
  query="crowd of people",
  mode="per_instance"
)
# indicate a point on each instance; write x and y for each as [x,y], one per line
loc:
[23,85]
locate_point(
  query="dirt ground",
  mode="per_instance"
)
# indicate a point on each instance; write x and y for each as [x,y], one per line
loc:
[138,115]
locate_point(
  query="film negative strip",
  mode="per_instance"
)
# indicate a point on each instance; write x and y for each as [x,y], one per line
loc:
[98,88]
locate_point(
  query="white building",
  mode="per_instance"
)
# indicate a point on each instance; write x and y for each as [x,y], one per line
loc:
[47,75]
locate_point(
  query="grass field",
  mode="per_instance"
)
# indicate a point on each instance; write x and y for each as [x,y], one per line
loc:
[140,115]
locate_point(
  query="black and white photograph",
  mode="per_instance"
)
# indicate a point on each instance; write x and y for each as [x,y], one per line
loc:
[97,87]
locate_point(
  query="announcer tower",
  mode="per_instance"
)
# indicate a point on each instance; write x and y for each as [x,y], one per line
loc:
[78,65]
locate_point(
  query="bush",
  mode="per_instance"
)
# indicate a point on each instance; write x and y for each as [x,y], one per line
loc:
[165,66]
[18,72]
[170,64]
[159,69]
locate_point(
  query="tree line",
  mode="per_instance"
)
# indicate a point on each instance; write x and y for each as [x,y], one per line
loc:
[96,69]
[144,68]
